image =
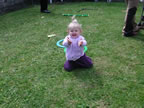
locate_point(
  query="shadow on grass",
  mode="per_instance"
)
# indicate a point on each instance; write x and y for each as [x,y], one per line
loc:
[89,76]
[139,37]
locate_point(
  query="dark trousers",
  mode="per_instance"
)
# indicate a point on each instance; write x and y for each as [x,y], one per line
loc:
[82,62]
[130,23]
[44,4]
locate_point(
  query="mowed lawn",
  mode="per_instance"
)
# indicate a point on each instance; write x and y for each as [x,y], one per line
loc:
[31,65]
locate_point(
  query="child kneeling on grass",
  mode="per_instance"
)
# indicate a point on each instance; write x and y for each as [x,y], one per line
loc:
[74,43]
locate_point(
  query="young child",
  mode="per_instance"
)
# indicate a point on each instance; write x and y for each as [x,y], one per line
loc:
[74,43]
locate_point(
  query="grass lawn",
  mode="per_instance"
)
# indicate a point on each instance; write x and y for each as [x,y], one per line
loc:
[31,65]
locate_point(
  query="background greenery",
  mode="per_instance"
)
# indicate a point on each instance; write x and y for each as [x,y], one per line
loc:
[31,65]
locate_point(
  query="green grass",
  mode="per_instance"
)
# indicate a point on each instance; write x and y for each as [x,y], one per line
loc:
[31,65]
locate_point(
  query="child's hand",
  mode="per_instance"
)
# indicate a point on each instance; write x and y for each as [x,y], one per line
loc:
[80,43]
[69,41]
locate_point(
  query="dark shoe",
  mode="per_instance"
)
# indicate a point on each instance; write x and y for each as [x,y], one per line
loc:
[45,11]
[129,34]
[136,29]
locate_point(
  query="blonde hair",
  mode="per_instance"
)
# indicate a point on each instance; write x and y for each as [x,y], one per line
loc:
[74,24]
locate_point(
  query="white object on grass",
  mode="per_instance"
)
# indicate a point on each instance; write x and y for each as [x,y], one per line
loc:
[52,35]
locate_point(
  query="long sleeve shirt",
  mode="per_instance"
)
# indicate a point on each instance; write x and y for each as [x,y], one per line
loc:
[73,50]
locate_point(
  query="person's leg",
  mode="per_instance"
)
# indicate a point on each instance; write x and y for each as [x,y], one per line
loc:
[84,62]
[128,30]
[69,65]
[130,18]
[44,6]
[133,3]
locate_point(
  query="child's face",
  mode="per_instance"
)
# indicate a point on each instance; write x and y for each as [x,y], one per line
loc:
[74,32]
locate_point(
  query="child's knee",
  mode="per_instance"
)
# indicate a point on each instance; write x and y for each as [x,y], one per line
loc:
[90,65]
[67,69]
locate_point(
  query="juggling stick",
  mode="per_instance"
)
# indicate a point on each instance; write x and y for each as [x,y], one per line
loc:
[75,15]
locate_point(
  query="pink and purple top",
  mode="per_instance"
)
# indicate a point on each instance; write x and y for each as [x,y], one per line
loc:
[74,51]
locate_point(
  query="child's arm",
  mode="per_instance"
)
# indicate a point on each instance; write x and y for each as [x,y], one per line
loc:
[67,41]
[82,42]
